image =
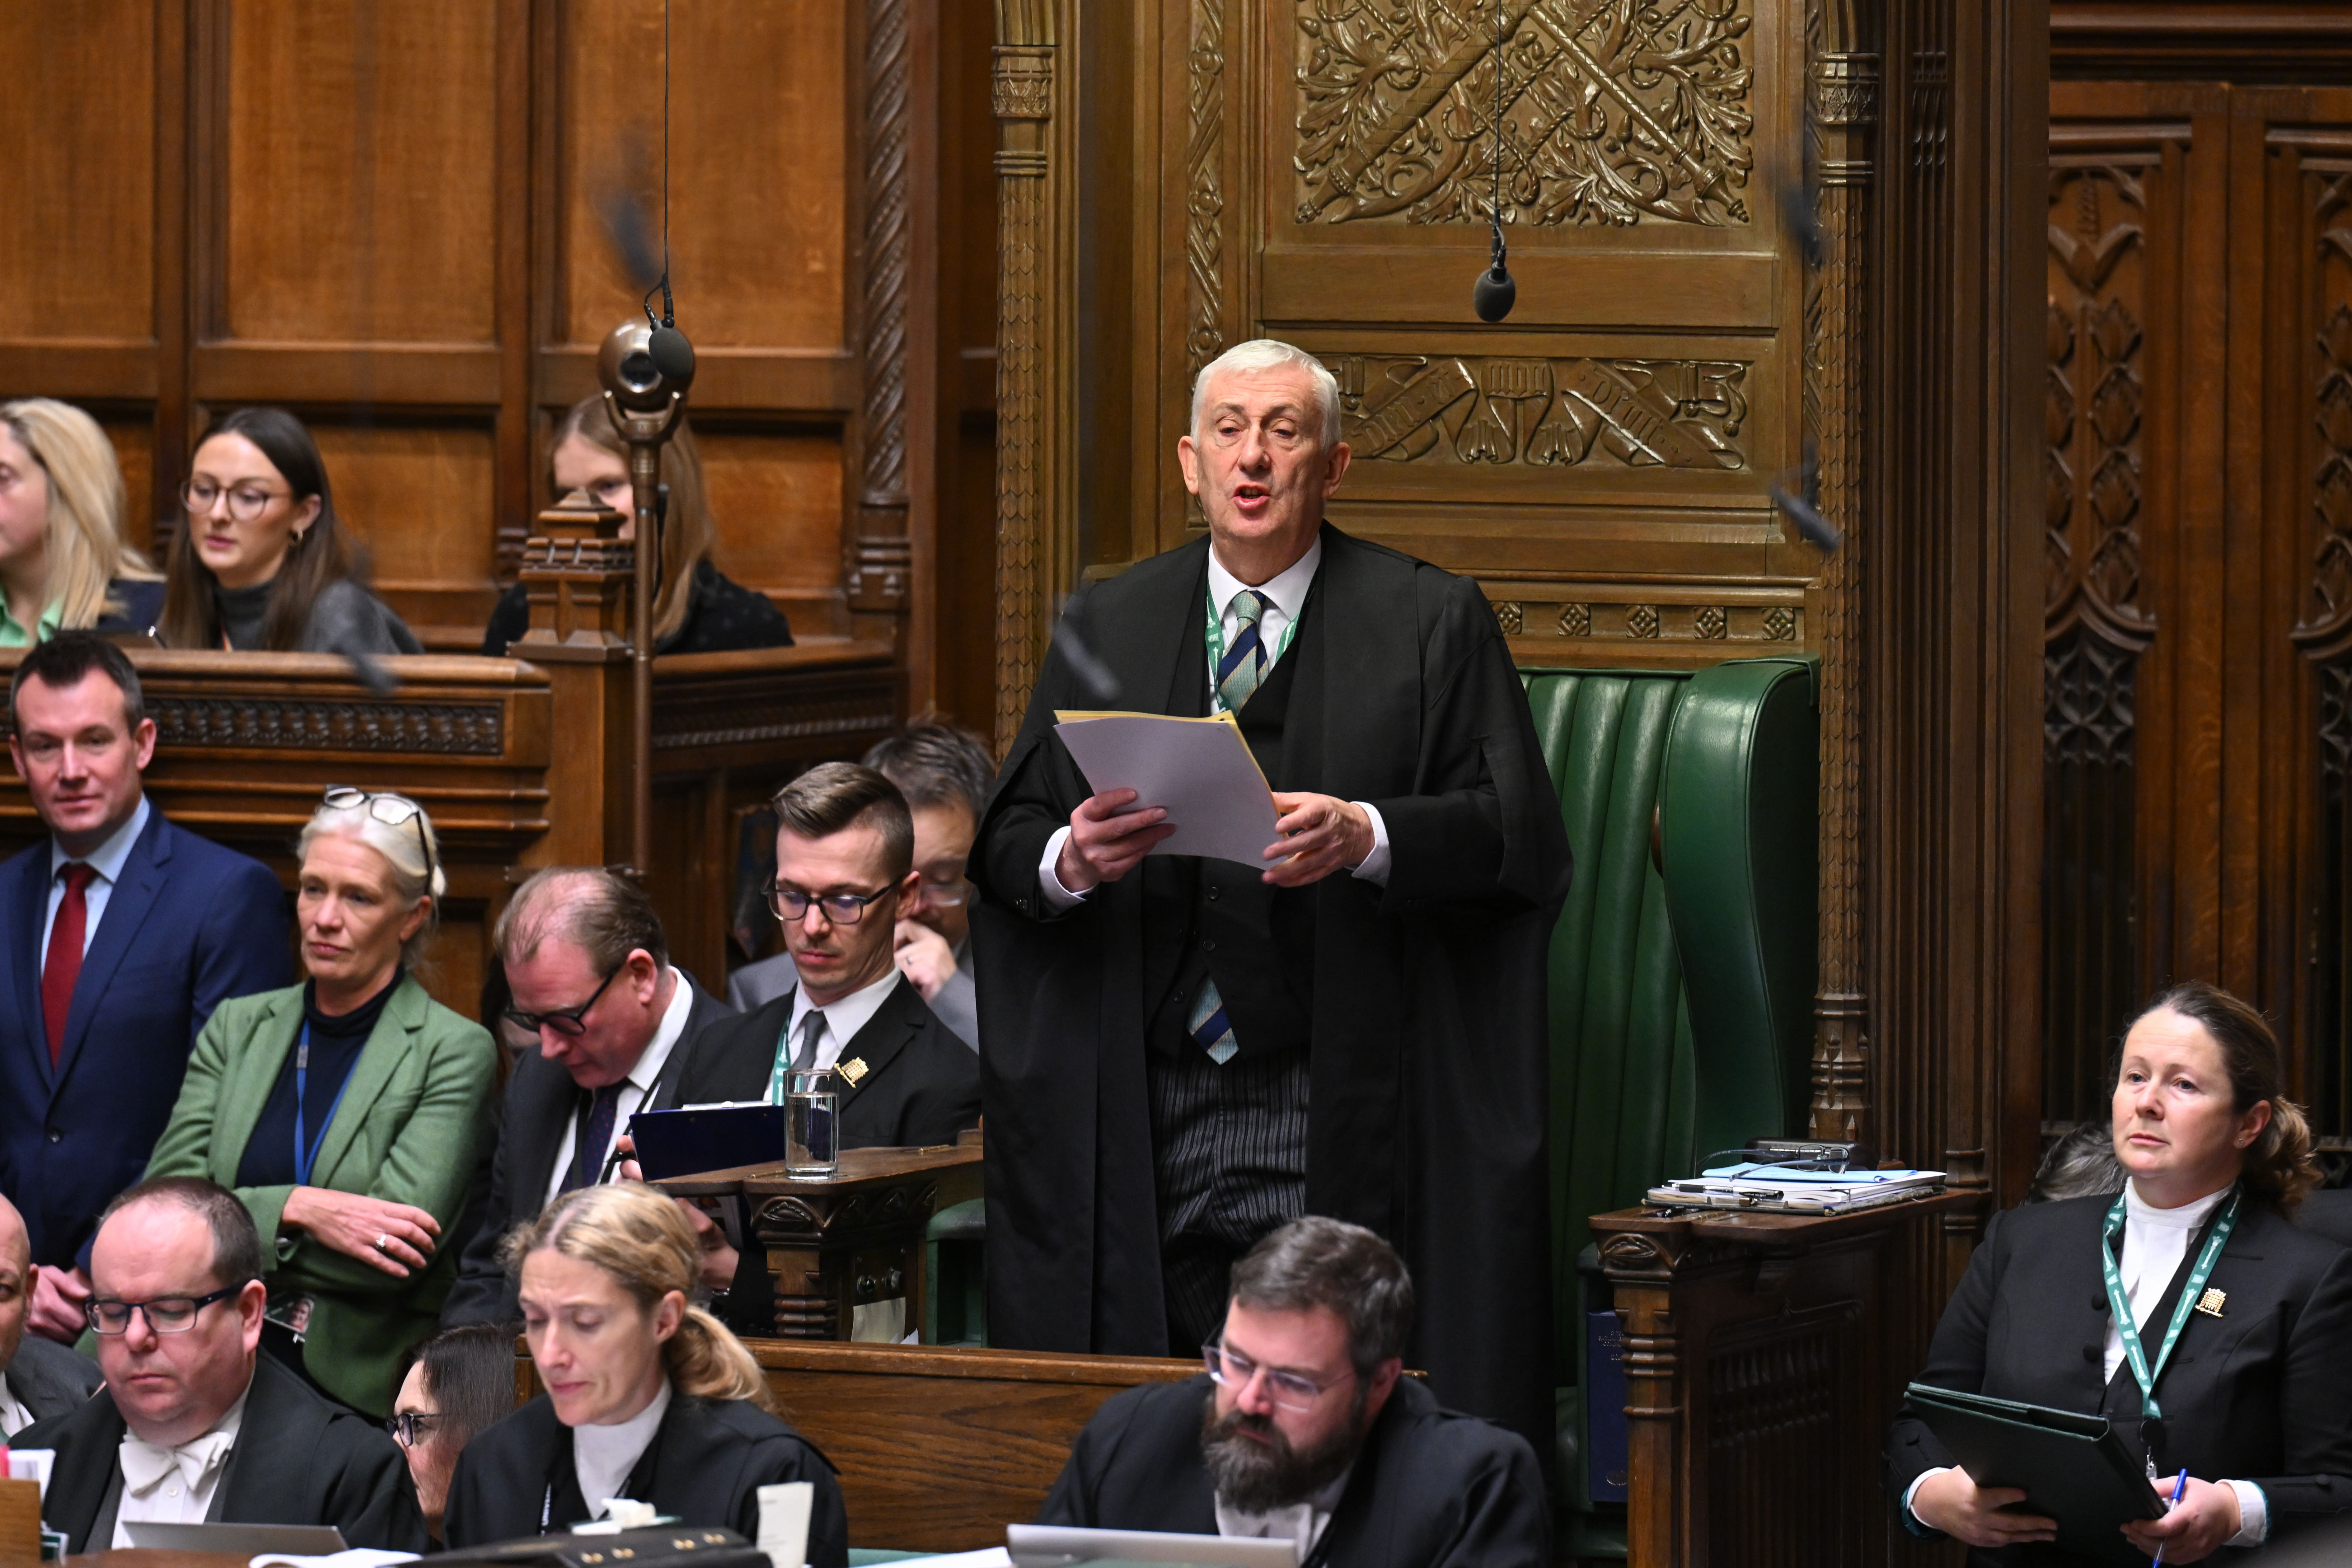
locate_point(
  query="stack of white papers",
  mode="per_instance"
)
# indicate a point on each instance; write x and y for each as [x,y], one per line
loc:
[1780,1189]
[1198,771]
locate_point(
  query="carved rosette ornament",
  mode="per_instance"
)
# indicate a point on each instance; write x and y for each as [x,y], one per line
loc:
[1022,93]
[1842,113]
[1614,113]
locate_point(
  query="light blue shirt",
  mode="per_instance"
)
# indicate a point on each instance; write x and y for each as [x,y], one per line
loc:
[107,861]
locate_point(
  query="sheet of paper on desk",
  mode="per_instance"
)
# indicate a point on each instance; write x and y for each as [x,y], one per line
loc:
[1199,770]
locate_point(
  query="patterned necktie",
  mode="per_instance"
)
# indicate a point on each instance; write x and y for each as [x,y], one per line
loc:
[63,965]
[1244,664]
[1209,1027]
[588,1159]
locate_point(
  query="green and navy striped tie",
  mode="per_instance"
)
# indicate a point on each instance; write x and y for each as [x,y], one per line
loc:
[1238,674]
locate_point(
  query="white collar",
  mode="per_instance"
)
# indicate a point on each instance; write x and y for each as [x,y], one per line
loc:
[108,857]
[1303,1522]
[2188,1216]
[1287,588]
[204,1452]
[843,1018]
[603,1456]
[666,1037]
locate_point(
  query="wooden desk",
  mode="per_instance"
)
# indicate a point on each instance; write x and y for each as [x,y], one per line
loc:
[150,1557]
[1761,1370]
[846,1258]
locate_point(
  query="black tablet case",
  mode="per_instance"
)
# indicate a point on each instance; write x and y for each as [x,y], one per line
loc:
[2073,1468]
[688,1142]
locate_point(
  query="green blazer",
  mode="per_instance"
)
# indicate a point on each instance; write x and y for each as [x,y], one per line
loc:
[409,1127]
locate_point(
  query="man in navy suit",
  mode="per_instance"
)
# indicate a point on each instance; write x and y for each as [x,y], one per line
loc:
[118,938]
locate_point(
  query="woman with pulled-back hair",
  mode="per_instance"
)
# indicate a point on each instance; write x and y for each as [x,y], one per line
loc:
[647,1397]
[2242,1320]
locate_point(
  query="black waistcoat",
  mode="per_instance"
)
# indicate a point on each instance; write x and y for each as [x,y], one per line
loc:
[1204,918]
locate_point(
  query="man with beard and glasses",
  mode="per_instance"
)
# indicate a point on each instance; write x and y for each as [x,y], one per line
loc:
[1303,1428]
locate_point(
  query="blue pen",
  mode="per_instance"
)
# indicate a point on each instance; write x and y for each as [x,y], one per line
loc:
[2179,1485]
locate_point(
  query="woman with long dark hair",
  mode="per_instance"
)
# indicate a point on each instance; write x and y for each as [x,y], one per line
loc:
[697,608]
[262,562]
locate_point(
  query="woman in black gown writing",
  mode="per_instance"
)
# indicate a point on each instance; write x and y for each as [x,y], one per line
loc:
[646,1397]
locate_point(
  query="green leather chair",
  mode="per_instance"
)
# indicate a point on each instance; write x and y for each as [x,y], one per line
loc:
[1683,965]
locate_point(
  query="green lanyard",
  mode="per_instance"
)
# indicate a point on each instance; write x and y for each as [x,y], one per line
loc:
[1216,632]
[2120,1299]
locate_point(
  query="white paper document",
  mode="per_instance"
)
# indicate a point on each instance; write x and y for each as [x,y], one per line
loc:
[1199,770]
[785,1510]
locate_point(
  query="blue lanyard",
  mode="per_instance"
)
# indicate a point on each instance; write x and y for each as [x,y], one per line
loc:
[306,1152]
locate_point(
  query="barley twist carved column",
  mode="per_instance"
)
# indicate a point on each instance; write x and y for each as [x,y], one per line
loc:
[881,555]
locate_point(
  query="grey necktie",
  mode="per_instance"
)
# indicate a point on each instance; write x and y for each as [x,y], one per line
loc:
[804,1060]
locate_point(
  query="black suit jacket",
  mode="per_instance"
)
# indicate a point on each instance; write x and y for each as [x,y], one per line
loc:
[922,1086]
[298,1459]
[540,1105]
[707,1463]
[188,925]
[1433,1489]
[50,1380]
[2329,1215]
[2261,1393]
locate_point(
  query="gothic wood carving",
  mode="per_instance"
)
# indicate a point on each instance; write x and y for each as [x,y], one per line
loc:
[1841,112]
[1023,97]
[439,728]
[1683,414]
[882,555]
[1205,197]
[1621,112]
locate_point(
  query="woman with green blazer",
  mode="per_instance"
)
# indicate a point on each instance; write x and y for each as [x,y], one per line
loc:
[346,1111]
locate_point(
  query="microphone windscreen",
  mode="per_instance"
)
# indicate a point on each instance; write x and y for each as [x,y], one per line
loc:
[673,355]
[1818,530]
[1495,294]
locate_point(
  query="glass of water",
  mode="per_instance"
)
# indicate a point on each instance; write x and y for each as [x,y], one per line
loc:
[812,1129]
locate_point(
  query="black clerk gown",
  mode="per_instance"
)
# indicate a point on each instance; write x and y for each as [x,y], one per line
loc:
[705,1465]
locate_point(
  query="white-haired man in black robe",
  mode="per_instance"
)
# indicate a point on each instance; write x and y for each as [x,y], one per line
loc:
[1185,1053]
[1305,1428]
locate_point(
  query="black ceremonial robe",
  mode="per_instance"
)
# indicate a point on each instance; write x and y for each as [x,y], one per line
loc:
[707,1463]
[1432,1489]
[1428,1075]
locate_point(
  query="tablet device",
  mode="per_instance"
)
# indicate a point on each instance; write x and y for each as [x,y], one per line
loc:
[1054,1546]
[2074,1468]
[242,1540]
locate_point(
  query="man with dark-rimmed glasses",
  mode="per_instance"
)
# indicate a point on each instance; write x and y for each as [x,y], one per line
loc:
[193,1422]
[1304,1427]
[588,972]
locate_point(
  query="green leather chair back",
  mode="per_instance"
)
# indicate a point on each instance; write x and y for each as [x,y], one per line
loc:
[1680,999]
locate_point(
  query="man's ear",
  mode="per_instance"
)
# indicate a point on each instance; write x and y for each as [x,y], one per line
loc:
[142,742]
[252,1303]
[1187,458]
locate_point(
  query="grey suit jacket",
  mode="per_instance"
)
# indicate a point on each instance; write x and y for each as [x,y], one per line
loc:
[957,1005]
[50,1380]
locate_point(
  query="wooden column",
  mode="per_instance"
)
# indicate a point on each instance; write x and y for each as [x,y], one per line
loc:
[579,573]
[880,551]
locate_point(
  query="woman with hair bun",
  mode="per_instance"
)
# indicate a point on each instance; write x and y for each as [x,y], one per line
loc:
[646,1397]
[64,565]
[345,1111]
[2240,1318]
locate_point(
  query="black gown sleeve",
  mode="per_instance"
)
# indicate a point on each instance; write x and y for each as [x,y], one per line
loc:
[1504,1524]
[370,1496]
[1956,1360]
[780,1459]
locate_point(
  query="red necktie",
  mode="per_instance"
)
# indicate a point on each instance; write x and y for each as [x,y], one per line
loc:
[63,965]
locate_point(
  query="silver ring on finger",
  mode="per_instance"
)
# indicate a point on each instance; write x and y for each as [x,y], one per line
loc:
[382,1242]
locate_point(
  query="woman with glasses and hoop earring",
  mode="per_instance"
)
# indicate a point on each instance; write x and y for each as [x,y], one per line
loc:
[346,1113]
[261,563]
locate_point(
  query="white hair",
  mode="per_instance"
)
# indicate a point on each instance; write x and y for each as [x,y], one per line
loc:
[403,851]
[1272,354]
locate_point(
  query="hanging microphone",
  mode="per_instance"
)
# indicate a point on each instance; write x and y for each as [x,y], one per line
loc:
[1496,291]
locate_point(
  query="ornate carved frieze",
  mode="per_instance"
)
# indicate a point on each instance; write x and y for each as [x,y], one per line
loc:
[1683,414]
[1205,197]
[1623,111]
[721,717]
[2328,600]
[1589,618]
[1021,91]
[438,729]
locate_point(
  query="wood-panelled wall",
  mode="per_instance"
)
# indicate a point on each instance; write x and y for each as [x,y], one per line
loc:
[400,220]
[2198,413]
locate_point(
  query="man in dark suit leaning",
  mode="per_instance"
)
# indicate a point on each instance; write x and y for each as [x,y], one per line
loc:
[38,1379]
[118,938]
[1185,1053]
[195,1423]
[844,868]
[590,972]
[1305,1429]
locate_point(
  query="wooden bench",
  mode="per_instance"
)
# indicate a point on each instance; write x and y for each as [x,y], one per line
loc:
[938,1448]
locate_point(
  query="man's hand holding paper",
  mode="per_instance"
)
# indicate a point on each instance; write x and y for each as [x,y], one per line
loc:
[1109,835]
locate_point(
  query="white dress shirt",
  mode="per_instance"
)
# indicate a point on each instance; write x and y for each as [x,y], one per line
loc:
[107,861]
[603,1456]
[2156,1244]
[14,1416]
[175,1485]
[635,1087]
[1286,593]
[1302,1524]
[842,1019]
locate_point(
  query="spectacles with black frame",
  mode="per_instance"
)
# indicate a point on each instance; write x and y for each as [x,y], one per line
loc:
[164,1314]
[411,1427]
[572,1021]
[841,908]
[390,809]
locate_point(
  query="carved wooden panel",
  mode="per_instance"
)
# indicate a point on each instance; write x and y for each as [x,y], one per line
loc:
[399,486]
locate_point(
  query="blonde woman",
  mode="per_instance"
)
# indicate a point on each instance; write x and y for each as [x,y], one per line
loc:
[63,561]
[346,1113]
[698,609]
[646,1397]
